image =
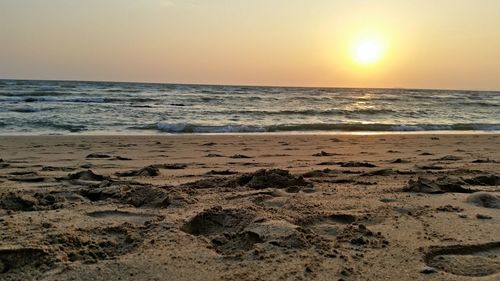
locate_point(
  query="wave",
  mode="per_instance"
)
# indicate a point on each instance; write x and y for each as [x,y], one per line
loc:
[194,128]
[29,109]
[37,94]
[37,124]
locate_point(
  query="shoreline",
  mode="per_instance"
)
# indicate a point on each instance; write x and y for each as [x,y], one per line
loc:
[289,133]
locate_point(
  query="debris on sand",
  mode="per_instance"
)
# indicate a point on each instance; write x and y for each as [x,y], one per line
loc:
[324,154]
[484,180]
[399,161]
[221,173]
[441,185]
[483,217]
[381,172]
[240,156]
[484,199]
[148,171]
[87,175]
[355,164]
[175,166]
[449,208]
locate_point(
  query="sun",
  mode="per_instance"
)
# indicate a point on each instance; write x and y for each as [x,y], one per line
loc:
[367,50]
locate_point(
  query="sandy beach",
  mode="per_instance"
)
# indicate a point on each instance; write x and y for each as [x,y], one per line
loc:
[250,207]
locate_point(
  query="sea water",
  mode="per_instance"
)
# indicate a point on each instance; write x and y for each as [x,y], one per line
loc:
[68,107]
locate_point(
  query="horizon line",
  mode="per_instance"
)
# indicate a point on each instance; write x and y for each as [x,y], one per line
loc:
[250,85]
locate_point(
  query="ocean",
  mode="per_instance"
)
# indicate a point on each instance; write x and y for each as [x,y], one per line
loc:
[68,107]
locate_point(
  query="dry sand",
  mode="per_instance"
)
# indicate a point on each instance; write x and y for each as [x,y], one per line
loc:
[325,207]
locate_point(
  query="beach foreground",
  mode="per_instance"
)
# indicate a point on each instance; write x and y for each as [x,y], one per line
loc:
[200,207]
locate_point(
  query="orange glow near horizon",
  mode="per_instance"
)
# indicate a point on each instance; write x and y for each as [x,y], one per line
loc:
[450,44]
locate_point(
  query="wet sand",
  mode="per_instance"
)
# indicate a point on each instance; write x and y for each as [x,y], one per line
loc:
[250,207]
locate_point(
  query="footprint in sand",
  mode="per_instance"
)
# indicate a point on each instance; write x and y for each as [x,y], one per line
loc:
[466,260]
[22,261]
[271,202]
[328,225]
[123,216]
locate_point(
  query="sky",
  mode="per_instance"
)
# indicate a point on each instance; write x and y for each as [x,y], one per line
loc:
[448,44]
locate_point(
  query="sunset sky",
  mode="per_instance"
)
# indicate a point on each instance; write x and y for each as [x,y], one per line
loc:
[339,43]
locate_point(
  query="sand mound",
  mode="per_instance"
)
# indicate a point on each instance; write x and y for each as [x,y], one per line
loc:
[88,175]
[37,201]
[134,194]
[148,171]
[485,200]
[261,179]
[466,260]
[441,185]
[275,178]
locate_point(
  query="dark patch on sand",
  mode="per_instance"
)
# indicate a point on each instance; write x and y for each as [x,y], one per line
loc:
[174,166]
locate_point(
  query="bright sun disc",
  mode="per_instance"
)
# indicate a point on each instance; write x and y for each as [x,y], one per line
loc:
[367,51]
